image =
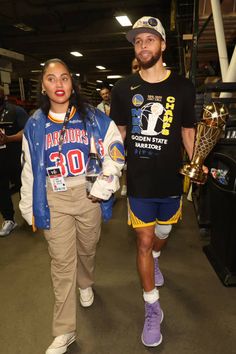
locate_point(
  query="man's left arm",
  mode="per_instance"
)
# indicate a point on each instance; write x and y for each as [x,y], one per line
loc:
[5,139]
[188,136]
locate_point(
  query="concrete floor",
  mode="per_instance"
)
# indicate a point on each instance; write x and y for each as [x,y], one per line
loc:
[200,313]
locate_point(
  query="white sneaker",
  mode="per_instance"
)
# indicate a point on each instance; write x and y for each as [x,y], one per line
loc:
[61,343]
[86,296]
[123,190]
[7,227]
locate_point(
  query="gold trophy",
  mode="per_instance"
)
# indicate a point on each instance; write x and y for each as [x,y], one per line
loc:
[208,132]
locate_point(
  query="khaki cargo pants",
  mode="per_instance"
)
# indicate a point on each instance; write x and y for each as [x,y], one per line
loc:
[72,239]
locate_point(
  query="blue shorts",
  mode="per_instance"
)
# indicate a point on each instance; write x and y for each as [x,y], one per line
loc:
[149,211]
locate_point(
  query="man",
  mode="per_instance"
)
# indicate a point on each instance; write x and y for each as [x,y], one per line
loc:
[12,122]
[105,105]
[154,110]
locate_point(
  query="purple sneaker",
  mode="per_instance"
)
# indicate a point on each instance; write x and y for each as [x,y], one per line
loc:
[151,336]
[159,280]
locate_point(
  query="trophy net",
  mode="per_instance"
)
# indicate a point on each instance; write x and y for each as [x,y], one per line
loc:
[206,138]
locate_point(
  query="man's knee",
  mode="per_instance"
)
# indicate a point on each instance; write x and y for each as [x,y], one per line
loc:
[145,238]
[162,231]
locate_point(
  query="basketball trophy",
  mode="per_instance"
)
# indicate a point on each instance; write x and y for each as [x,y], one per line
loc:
[208,132]
[156,109]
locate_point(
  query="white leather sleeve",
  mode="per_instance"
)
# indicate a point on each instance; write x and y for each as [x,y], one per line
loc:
[26,191]
[103,189]
[112,166]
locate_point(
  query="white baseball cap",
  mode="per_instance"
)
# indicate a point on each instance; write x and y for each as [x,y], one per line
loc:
[146,24]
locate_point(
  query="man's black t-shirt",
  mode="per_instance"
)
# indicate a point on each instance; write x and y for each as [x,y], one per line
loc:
[17,117]
[154,114]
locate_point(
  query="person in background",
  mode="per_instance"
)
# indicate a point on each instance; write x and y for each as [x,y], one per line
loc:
[105,105]
[12,122]
[56,144]
[135,67]
[154,110]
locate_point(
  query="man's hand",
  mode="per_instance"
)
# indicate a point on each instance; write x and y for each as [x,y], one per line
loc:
[205,170]
[3,138]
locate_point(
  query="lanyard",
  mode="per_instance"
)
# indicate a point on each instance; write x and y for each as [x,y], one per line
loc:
[63,131]
[3,114]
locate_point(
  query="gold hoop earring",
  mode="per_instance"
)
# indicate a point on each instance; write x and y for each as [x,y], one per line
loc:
[43,92]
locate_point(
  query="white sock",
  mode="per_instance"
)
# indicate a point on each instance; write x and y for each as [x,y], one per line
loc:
[151,296]
[156,254]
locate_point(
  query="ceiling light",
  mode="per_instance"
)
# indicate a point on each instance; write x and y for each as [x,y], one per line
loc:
[100,67]
[78,74]
[98,80]
[114,76]
[76,54]
[42,64]
[124,21]
[23,27]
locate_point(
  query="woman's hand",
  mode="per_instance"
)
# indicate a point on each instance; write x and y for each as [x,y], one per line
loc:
[94,199]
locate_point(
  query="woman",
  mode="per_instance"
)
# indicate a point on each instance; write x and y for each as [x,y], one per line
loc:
[56,145]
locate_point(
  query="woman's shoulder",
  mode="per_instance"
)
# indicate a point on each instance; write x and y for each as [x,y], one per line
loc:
[37,114]
[36,118]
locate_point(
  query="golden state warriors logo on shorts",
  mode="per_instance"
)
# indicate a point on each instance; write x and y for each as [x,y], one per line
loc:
[116,152]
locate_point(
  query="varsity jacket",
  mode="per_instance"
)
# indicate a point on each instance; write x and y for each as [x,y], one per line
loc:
[33,201]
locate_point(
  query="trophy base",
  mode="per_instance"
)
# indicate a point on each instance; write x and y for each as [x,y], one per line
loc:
[149,132]
[195,173]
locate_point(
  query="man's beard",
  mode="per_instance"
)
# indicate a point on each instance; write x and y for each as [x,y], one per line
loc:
[151,62]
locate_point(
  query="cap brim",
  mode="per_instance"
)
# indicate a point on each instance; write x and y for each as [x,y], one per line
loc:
[133,33]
